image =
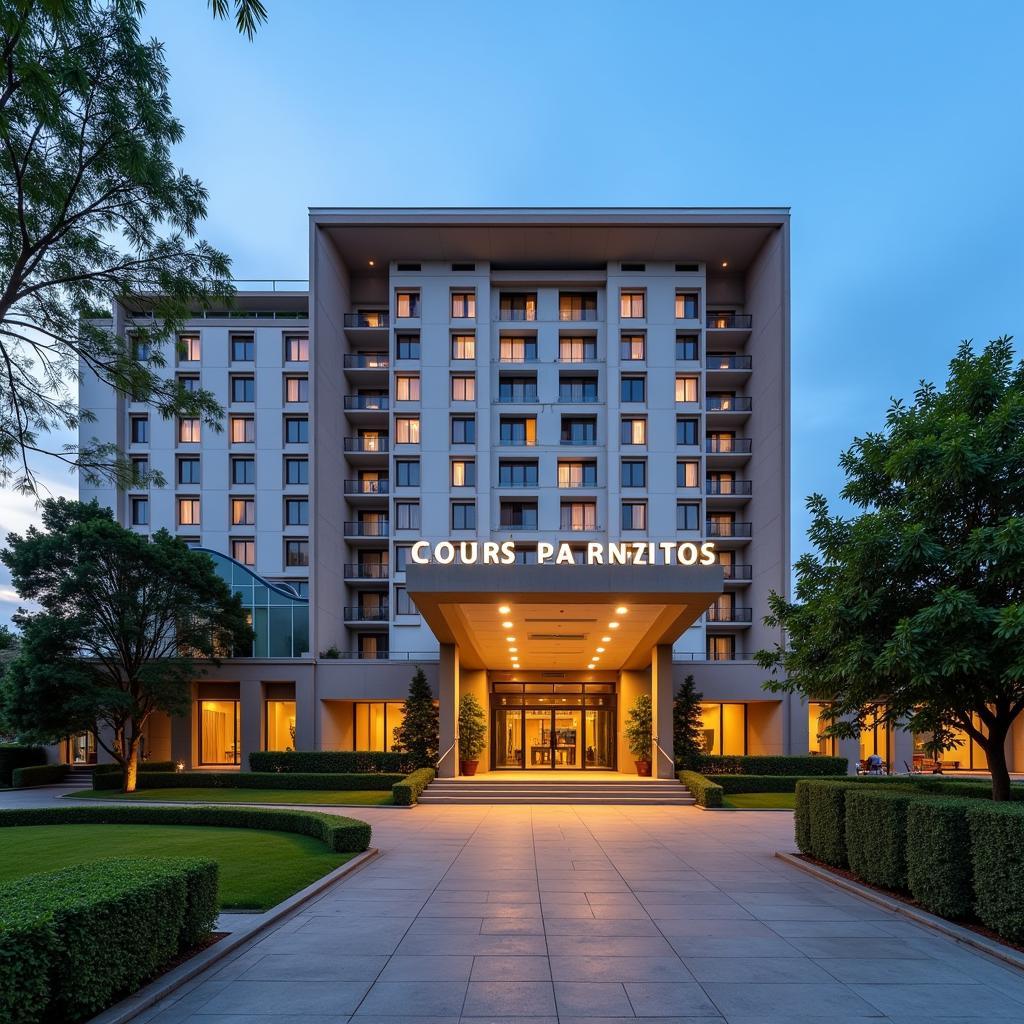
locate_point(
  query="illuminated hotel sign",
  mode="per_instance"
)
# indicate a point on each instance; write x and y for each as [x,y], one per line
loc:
[492,552]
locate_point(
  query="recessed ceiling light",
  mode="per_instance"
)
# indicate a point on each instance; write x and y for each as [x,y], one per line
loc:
[507,625]
[606,639]
[725,263]
[621,610]
[504,609]
[596,658]
[600,650]
[613,625]
[372,263]
[513,649]
[511,639]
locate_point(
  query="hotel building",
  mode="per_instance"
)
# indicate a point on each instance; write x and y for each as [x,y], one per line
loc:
[462,448]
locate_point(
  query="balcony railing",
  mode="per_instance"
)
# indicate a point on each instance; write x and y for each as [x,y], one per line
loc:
[570,315]
[507,358]
[378,655]
[367,571]
[366,319]
[369,487]
[367,361]
[378,613]
[717,614]
[516,442]
[715,362]
[735,573]
[370,529]
[517,395]
[727,445]
[367,403]
[730,321]
[576,393]
[586,527]
[366,444]
[578,441]
[522,315]
[712,529]
[728,403]
[726,488]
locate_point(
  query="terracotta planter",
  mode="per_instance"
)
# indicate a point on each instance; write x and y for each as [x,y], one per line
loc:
[643,768]
[468,767]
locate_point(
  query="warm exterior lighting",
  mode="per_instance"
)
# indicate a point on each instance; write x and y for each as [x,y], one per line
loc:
[725,263]
[372,263]
[180,766]
[606,639]
[511,639]
[600,650]
[507,625]
[513,649]
[621,610]
[613,625]
[504,609]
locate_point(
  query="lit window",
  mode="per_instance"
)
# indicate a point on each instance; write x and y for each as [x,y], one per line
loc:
[577,474]
[686,389]
[296,348]
[243,511]
[578,515]
[296,389]
[687,473]
[577,306]
[517,350]
[634,430]
[188,512]
[463,473]
[577,349]
[518,306]
[632,347]
[463,305]
[407,430]
[243,429]
[463,346]
[634,515]
[188,430]
[463,389]
[687,307]
[407,304]
[244,551]
[407,388]
[188,348]
[631,305]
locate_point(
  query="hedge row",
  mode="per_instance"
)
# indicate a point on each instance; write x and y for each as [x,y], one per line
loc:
[73,941]
[763,783]
[705,792]
[340,834]
[39,775]
[18,755]
[407,791]
[770,764]
[144,766]
[249,780]
[332,761]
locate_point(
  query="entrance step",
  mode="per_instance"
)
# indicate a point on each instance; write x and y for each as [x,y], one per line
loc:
[532,791]
[79,776]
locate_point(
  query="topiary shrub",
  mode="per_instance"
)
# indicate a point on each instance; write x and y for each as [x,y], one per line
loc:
[406,792]
[876,835]
[18,755]
[770,764]
[705,792]
[997,866]
[939,856]
[39,775]
[349,762]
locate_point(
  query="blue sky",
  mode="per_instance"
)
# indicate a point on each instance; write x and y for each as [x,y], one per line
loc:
[893,130]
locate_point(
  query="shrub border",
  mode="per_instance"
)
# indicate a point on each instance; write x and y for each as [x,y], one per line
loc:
[38,775]
[705,792]
[407,791]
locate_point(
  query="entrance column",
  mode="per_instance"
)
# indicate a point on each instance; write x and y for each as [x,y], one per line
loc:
[661,706]
[448,711]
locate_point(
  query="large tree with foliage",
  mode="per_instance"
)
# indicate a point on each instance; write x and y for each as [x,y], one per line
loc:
[912,608]
[687,725]
[126,623]
[418,735]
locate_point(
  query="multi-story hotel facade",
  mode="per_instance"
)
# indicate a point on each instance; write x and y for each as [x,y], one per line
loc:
[541,453]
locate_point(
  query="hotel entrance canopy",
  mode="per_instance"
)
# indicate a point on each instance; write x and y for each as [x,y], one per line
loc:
[559,615]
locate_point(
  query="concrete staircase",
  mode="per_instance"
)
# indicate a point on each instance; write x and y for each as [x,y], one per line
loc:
[629,791]
[79,776]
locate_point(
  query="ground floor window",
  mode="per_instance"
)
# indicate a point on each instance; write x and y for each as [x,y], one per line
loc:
[817,723]
[968,753]
[81,748]
[724,727]
[374,723]
[875,738]
[219,729]
[280,725]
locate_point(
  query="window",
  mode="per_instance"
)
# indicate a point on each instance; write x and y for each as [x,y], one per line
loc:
[686,431]
[463,388]
[686,389]
[463,473]
[243,429]
[463,346]
[140,511]
[188,430]
[220,728]
[280,721]
[402,556]
[188,512]
[577,474]
[517,474]
[633,430]
[296,348]
[189,383]
[632,347]
[633,389]
[722,483]
[407,387]
[687,348]
[408,472]
[687,515]
[517,389]
[724,726]
[517,306]
[631,305]
[188,348]
[188,471]
[521,515]
[408,346]
[463,430]
[517,350]
[407,304]
[140,429]
[404,603]
[141,349]
[579,430]
[244,551]
[140,469]
[296,552]
[407,515]
[296,429]
[634,515]
[687,307]
[243,350]
[243,389]
[463,515]
[577,389]
[407,430]
[578,515]
[296,471]
[572,349]
[243,511]
[518,430]
[296,389]
[721,648]
[687,473]
[243,471]
[296,511]
[463,305]
[577,306]
[634,473]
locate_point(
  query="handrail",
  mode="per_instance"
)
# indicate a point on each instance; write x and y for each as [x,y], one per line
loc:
[437,766]
[664,753]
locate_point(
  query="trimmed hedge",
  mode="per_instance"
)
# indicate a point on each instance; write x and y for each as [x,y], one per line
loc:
[939,856]
[876,835]
[250,780]
[764,764]
[705,792]
[73,941]
[340,834]
[997,861]
[824,806]
[407,791]
[144,766]
[18,755]
[349,762]
[39,775]
[765,783]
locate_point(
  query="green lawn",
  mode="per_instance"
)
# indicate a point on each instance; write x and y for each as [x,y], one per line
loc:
[760,801]
[257,869]
[309,797]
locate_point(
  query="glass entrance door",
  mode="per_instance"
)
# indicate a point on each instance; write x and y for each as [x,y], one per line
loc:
[554,738]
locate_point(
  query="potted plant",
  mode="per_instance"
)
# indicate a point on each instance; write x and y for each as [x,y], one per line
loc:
[472,734]
[638,733]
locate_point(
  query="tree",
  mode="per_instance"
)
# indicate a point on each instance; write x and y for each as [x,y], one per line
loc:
[126,623]
[912,609]
[418,733]
[249,14]
[639,723]
[93,215]
[8,638]
[687,725]
[472,728]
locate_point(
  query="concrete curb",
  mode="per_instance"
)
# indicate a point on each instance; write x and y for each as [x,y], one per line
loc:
[939,924]
[133,1005]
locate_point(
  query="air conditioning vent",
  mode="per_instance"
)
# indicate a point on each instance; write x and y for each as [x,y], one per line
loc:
[634,268]
[457,267]
[552,675]
[560,619]
[558,636]
[407,268]
[687,268]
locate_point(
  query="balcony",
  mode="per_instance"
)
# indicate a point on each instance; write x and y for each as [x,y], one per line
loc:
[367,571]
[373,528]
[727,531]
[366,445]
[727,445]
[366,361]
[688,656]
[367,320]
[728,362]
[734,573]
[366,403]
[729,403]
[578,442]
[729,322]
[729,616]
[727,488]
[577,315]
[524,395]
[366,488]
[527,316]
[576,393]
[375,613]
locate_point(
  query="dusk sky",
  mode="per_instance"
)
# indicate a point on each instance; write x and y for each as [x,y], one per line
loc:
[893,131]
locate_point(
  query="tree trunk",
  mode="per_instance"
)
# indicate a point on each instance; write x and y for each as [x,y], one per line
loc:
[996,753]
[131,768]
